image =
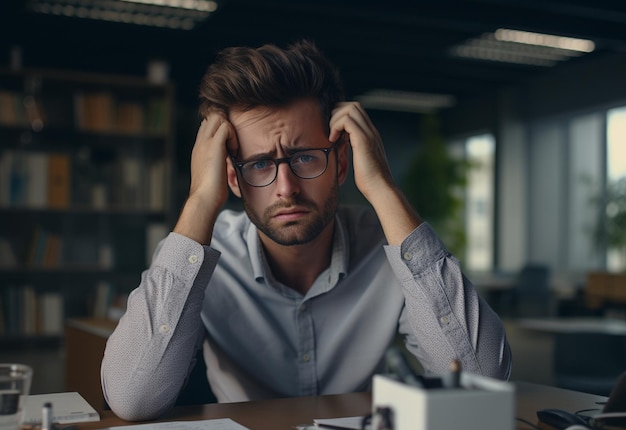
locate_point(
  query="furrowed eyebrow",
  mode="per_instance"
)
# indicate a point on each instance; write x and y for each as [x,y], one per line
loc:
[292,150]
[271,155]
[261,156]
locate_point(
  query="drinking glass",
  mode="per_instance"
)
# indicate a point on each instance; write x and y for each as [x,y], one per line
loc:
[15,380]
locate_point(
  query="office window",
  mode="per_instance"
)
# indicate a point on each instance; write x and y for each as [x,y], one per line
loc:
[616,168]
[479,201]
[546,197]
[584,184]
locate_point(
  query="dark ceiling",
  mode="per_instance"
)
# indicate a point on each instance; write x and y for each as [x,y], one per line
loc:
[376,44]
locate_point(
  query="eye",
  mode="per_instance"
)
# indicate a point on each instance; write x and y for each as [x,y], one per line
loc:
[259,165]
[304,158]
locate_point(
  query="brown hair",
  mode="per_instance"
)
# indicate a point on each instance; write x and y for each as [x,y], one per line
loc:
[245,78]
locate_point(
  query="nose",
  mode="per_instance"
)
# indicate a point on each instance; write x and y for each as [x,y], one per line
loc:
[287,183]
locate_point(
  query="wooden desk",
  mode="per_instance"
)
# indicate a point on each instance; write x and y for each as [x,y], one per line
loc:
[284,414]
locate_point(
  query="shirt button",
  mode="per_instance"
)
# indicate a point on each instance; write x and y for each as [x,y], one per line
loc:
[407,255]
[306,357]
[303,307]
[444,320]
[164,329]
[193,259]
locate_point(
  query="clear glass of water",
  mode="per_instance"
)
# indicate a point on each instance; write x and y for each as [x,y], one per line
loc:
[15,380]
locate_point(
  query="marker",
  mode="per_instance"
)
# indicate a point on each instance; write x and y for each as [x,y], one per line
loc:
[454,380]
[46,417]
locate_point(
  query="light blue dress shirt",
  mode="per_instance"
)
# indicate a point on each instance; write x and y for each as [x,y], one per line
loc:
[262,339]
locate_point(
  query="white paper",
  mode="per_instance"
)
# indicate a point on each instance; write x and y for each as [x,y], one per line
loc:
[351,423]
[68,407]
[216,424]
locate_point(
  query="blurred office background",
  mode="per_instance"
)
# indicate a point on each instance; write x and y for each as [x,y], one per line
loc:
[532,94]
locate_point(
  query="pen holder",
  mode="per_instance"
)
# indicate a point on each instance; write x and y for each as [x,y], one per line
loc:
[480,403]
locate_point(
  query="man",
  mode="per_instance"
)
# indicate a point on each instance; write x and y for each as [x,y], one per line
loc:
[297,295]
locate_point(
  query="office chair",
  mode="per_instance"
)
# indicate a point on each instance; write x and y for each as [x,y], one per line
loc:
[588,362]
[532,296]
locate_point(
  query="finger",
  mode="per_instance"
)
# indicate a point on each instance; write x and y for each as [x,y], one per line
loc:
[348,115]
[357,130]
[212,122]
[226,133]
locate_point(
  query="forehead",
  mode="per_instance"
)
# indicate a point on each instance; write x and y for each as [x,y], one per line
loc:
[264,129]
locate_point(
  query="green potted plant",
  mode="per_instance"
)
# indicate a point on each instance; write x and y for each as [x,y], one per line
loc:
[610,230]
[434,185]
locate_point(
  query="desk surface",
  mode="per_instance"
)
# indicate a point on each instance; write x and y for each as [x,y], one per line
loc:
[575,325]
[284,414]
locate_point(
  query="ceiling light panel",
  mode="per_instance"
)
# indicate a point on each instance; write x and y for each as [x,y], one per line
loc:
[404,101]
[176,14]
[521,47]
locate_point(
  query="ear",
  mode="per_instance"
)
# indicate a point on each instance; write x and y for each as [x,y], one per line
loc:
[233,180]
[342,161]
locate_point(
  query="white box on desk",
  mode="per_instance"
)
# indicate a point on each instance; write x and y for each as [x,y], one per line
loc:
[481,403]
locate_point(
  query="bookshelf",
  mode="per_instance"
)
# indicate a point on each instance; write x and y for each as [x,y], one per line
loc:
[86,191]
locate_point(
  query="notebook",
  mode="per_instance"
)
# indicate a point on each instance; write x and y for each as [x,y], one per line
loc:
[68,407]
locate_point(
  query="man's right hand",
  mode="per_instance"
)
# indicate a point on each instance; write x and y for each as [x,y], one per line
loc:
[208,192]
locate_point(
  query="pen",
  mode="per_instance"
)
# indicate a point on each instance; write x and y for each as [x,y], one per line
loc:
[454,379]
[46,416]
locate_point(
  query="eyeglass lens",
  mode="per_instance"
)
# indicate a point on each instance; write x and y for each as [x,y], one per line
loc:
[305,164]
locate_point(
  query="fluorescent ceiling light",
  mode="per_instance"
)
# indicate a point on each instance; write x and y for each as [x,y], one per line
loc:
[523,47]
[404,101]
[201,5]
[176,14]
[548,40]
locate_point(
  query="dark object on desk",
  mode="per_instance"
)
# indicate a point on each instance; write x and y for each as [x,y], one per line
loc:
[617,399]
[616,403]
[560,419]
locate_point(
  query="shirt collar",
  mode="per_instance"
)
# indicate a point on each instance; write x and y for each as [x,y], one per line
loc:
[338,263]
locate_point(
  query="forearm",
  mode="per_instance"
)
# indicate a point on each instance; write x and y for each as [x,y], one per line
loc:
[445,317]
[197,219]
[148,356]
[398,219]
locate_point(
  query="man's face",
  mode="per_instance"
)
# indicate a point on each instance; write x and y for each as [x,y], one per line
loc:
[290,210]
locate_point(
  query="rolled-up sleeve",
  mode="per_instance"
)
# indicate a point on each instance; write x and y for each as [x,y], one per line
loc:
[145,365]
[444,317]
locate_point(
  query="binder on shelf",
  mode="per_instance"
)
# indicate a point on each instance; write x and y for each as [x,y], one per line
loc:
[51,313]
[37,179]
[78,199]
[130,117]
[59,180]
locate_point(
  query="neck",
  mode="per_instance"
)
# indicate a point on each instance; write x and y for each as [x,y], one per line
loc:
[298,266]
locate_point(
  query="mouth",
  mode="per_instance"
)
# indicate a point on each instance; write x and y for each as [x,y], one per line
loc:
[290,214]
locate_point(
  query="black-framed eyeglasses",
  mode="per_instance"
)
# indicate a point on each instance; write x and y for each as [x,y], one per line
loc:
[305,164]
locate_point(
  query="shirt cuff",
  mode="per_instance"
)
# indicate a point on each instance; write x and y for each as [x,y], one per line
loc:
[419,250]
[184,257]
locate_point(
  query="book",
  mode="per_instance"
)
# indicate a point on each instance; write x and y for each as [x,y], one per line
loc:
[59,180]
[51,313]
[68,407]
[37,179]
